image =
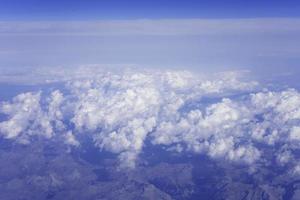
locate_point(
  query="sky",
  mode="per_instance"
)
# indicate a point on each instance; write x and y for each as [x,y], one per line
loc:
[199,35]
[134,9]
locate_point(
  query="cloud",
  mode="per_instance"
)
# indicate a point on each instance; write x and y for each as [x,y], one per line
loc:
[284,157]
[70,139]
[153,27]
[222,116]
[27,117]
[24,115]
[215,131]
[279,113]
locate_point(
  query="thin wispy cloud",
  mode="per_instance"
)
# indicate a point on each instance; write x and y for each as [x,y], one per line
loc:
[153,27]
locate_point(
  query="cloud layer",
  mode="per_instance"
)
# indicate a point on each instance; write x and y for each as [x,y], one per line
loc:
[153,27]
[222,116]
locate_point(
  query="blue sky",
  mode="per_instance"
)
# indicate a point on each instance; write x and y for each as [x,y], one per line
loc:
[120,9]
[199,35]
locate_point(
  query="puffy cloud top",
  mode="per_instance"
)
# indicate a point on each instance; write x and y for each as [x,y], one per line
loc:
[177,109]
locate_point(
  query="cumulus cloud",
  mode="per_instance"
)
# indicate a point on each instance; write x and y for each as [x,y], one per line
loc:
[217,131]
[70,139]
[26,116]
[178,109]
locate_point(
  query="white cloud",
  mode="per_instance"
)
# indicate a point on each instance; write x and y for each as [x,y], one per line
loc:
[24,115]
[70,139]
[27,117]
[295,133]
[284,157]
[121,110]
[296,170]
